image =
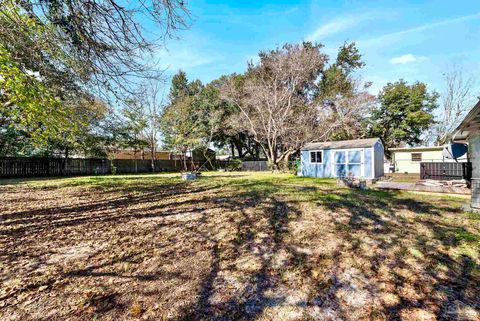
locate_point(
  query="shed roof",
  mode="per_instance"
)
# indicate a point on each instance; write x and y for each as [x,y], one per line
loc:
[343,144]
[416,149]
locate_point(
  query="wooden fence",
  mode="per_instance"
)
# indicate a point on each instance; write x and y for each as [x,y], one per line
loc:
[442,171]
[255,166]
[11,167]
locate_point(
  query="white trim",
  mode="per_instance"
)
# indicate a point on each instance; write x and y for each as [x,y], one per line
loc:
[374,175]
[415,149]
[315,151]
[346,150]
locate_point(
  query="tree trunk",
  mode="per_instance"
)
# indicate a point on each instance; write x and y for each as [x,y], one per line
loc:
[65,165]
[154,158]
[185,161]
[232,149]
[135,157]
[273,159]
[286,160]
[192,164]
[239,150]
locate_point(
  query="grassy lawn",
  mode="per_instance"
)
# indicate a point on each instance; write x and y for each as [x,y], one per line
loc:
[233,246]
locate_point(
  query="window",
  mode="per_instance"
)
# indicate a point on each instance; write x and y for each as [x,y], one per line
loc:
[416,157]
[348,163]
[354,157]
[316,157]
[340,157]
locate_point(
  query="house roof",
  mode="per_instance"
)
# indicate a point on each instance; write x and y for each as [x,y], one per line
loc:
[416,149]
[343,144]
[469,125]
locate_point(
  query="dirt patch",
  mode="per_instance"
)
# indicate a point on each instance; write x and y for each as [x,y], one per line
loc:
[71,253]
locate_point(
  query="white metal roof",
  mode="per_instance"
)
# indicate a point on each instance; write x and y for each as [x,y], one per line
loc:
[343,144]
[469,125]
[417,148]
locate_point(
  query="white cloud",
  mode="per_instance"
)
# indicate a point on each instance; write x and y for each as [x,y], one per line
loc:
[404,59]
[337,25]
[381,40]
[184,58]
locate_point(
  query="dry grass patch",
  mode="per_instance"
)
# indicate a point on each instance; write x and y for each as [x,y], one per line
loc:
[233,246]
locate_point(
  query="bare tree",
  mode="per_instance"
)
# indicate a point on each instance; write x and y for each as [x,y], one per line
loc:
[142,114]
[277,102]
[98,46]
[154,102]
[456,100]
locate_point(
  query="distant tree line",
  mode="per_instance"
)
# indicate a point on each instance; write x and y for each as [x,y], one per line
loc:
[296,94]
[73,80]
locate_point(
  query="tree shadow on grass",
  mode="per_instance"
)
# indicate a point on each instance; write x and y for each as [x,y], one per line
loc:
[243,236]
[258,237]
[380,217]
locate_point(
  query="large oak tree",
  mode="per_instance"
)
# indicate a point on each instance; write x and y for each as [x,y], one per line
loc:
[292,97]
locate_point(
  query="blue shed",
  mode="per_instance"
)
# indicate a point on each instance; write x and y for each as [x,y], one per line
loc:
[362,158]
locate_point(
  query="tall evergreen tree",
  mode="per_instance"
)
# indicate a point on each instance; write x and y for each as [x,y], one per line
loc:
[403,113]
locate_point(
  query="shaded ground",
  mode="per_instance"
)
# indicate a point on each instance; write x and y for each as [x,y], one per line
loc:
[233,247]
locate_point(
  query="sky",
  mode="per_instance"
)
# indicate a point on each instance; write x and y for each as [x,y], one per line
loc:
[412,40]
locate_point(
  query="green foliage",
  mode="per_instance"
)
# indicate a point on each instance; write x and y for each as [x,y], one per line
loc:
[404,112]
[57,59]
[234,165]
[338,87]
[113,168]
[41,112]
[295,167]
[337,78]
[180,125]
[95,47]
[349,58]
[28,105]
[196,115]
[179,87]
[14,142]
[136,122]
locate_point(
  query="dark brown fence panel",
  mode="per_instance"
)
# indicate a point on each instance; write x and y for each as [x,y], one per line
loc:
[127,166]
[163,165]
[24,167]
[11,167]
[87,166]
[442,171]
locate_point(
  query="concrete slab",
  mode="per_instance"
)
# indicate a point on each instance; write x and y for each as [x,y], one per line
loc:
[422,188]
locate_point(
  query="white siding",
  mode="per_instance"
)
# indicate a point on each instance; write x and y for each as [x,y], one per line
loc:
[404,164]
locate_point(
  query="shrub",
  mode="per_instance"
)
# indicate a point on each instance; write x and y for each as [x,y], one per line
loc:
[294,166]
[234,165]
[113,168]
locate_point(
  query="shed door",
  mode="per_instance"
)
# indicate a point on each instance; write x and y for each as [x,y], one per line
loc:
[348,163]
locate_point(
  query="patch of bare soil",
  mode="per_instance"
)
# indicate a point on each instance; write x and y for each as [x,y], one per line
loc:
[211,251]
